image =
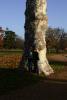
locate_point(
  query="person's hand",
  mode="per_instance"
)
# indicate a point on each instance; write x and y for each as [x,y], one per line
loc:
[37,50]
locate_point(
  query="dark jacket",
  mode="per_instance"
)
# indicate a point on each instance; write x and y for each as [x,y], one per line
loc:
[35,55]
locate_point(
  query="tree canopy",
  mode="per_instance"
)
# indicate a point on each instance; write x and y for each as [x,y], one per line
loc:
[56,39]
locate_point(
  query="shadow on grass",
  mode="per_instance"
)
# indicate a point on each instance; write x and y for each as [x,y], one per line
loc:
[58,63]
[12,79]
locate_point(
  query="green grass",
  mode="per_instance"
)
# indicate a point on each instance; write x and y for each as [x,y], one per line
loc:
[10,52]
[58,65]
[13,79]
[55,64]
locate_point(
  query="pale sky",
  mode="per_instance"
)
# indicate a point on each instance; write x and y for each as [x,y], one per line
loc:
[12,14]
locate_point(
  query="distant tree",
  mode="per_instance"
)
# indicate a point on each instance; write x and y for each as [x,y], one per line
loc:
[19,43]
[56,39]
[1,37]
[53,38]
[7,29]
[1,41]
[63,40]
[9,39]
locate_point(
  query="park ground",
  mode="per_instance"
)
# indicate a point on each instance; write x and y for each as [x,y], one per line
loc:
[20,85]
[17,84]
[11,59]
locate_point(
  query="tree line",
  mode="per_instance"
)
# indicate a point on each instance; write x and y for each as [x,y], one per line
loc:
[9,40]
[56,39]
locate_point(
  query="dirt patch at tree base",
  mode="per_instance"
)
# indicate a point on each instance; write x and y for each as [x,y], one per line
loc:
[59,74]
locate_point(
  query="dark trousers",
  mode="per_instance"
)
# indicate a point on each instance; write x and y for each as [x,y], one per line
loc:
[30,65]
[35,66]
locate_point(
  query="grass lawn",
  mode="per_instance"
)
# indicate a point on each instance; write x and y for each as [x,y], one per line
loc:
[30,86]
[10,52]
[21,85]
[11,60]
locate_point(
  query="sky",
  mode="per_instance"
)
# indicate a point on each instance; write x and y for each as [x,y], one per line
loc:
[12,14]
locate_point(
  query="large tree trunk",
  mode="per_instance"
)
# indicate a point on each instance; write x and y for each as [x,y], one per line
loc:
[35,31]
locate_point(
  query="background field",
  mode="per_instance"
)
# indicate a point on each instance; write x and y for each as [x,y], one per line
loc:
[11,58]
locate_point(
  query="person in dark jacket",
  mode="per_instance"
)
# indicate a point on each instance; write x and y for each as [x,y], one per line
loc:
[30,61]
[35,60]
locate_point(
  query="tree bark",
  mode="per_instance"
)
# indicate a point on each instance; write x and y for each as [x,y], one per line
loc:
[36,24]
